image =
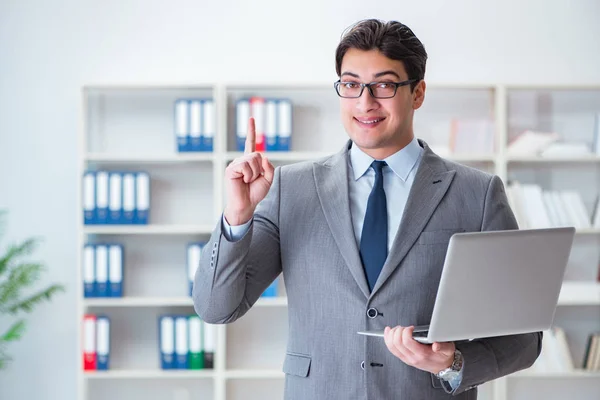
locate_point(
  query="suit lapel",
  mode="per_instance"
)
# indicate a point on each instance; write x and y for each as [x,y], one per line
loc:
[331,181]
[429,187]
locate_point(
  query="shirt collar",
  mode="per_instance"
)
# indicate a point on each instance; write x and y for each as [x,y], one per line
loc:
[401,162]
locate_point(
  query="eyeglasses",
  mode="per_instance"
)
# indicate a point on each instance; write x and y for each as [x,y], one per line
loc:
[379,90]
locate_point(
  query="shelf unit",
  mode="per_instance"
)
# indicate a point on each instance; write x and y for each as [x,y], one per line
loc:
[130,127]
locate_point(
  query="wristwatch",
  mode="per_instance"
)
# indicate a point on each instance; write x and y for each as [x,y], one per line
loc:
[452,372]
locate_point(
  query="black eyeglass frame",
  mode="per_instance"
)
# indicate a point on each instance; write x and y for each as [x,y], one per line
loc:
[337,84]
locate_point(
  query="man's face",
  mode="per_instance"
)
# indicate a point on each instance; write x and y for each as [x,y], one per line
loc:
[380,127]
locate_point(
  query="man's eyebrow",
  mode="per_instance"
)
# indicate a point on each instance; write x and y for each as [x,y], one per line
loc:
[388,72]
[377,75]
[352,74]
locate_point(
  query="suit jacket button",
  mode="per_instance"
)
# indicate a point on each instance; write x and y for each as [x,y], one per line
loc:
[362,365]
[372,313]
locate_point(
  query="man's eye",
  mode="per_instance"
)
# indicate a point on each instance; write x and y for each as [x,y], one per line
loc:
[383,85]
[351,85]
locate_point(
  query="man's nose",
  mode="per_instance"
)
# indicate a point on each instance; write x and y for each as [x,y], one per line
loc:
[366,102]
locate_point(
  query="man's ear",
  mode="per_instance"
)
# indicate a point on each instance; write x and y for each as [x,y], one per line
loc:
[419,94]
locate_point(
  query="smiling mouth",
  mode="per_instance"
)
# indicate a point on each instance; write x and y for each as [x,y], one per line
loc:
[369,122]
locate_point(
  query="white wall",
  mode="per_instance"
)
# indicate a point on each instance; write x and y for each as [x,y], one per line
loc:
[48,49]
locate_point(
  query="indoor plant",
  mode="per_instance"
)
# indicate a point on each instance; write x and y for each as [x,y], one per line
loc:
[17,274]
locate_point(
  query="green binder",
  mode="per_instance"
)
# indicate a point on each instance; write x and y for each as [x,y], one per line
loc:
[196,341]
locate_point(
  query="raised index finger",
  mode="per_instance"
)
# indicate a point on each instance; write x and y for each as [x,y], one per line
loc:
[250,137]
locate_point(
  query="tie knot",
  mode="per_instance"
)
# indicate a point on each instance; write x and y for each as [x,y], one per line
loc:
[378,167]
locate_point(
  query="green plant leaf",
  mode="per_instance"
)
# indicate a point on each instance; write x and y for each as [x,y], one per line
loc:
[14,332]
[29,303]
[20,276]
[16,251]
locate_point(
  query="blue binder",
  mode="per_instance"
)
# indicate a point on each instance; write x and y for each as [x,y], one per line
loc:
[181,121]
[115,196]
[181,342]
[89,270]
[102,197]
[208,125]
[242,115]
[284,124]
[166,326]
[195,125]
[101,270]
[271,124]
[103,342]
[89,197]
[142,198]
[115,270]
[128,215]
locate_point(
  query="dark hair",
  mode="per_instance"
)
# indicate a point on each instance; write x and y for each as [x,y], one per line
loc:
[393,39]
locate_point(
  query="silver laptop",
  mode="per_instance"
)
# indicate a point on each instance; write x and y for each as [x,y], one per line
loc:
[497,283]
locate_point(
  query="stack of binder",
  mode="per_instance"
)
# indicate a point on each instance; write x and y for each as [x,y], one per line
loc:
[194,124]
[111,197]
[273,121]
[186,342]
[96,342]
[194,251]
[102,270]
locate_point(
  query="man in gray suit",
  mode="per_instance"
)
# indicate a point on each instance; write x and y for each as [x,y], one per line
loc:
[360,238]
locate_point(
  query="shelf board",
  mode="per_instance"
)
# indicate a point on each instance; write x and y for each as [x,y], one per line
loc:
[572,293]
[147,301]
[149,374]
[579,294]
[149,158]
[577,373]
[291,156]
[254,374]
[487,158]
[137,301]
[541,160]
[148,229]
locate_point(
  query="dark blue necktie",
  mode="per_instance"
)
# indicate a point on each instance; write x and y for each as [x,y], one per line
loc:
[374,238]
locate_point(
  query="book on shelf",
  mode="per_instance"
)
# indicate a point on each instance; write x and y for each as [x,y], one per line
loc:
[532,143]
[185,342]
[273,122]
[96,342]
[102,270]
[591,357]
[195,128]
[537,208]
[116,198]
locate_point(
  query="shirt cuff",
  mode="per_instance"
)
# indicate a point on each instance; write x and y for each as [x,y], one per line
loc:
[235,232]
[456,381]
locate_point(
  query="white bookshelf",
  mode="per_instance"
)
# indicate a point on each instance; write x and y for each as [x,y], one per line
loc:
[131,127]
[149,374]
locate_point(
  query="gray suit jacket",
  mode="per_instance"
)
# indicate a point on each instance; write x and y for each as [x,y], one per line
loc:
[303,228]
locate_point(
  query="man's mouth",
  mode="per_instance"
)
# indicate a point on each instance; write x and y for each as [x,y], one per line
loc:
[369,121]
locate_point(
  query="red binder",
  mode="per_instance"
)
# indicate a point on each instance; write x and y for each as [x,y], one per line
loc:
[89,343]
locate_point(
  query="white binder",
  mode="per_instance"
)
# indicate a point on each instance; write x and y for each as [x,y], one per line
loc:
[115,207]
[101,271]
